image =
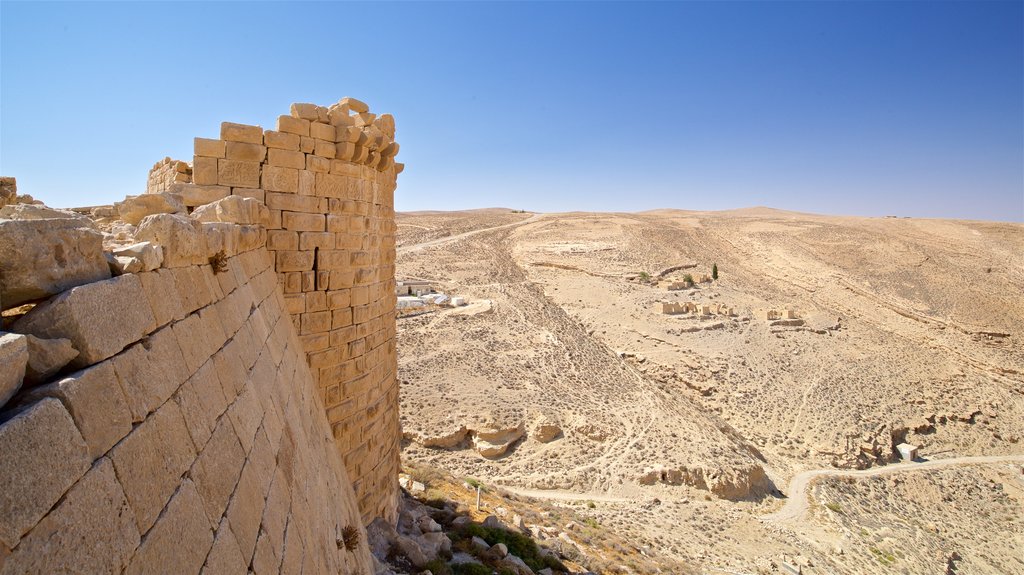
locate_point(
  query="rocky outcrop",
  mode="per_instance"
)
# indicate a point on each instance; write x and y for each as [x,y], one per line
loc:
[734,484]
[8,190]
[13,359]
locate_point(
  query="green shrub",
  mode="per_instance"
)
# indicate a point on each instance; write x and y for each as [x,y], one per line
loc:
[688,279]
[714,271]
[518,544]
[438,567]
[470,569]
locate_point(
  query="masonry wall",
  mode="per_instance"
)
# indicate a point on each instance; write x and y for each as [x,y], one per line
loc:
[166,173]
[328,177]
[193,438]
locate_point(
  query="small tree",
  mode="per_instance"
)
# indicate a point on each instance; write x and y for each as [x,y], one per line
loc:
[714,271]
[688,279]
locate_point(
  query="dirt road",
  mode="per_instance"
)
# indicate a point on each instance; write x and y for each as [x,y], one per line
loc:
[447,239]
[798,503]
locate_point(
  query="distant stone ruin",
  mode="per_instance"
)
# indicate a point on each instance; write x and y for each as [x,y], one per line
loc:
[202,377]
[689,307]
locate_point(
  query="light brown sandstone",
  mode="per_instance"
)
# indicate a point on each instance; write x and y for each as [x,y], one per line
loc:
[14,358]
[43,456]
[100,319]
[180,540]
[230,132]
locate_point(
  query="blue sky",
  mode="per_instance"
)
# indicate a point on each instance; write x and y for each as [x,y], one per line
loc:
[869,108]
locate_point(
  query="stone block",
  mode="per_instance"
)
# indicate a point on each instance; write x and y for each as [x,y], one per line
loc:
[230,132]
[151,461]
[294,261]
[364,119]
[134,208]
[43,455]
[238,173]
[287,158]
[208,148]
[225,558]
[100,319]
[180,540]
[307,182]
[254,193]
[150,372]
[277,179]
[281,140]
[201,400]
[205,171]
[282,240]
[149,255]
[322,131]
[235,210]
[180,237]
[306,144]
[46,257]
[195,195]
[310,240]
[318,163]
[357,106]
[217,468]
[305,111]
[293,202]
[95,401]
[246,509]
[163,297]
[347,134]
[245,152]
[95,505]
[303,222]
[245,415]
[14,358]
[290,125]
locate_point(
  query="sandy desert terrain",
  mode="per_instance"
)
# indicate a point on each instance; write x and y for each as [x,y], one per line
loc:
[563,379]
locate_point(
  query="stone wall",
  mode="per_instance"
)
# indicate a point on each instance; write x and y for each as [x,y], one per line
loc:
[328,177]
[166,173]
[192,437]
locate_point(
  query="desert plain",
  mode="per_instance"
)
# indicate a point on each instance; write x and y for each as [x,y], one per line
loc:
[757,432]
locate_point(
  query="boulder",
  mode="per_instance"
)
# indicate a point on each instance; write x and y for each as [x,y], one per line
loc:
[235,210]
[46,357]
[14,359]
[45,257]
[134,208]
[545,428]
[516,564]
[444,438]
[181,238]
[100,319]
[41,212]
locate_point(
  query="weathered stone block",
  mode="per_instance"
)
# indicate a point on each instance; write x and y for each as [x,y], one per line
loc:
[149,255]
[245,152]
[180,237]
[162,294]
[14,359]
[151,371]
[151,461]
[100,319]
[357,106]
[134,208]
[194,195]
[235,210]
[294,261]
[95,505]
[95,401]
[292,125]
[46,257]
[318,163]
[43,455]
[303,222]
[205,171]
[180,541]
[238,173]
[225,558]
[292,202]
[321,131]
[217,468]
[208,148]
[287,158]
[230,132]
[277,179]
[281,140]
[305,111]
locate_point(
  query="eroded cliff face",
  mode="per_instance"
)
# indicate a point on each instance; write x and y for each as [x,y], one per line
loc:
[219,394]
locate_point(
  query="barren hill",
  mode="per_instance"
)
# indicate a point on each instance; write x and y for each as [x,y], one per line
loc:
[563,372]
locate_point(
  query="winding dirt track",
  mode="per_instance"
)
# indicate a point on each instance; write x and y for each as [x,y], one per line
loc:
[798,503]
[446,239]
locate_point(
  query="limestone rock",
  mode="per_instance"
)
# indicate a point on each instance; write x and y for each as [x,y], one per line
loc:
[41,212]
[181,238]
[100,319]
[494,442]
[46,257]
[545,428]
[8,190]
[148,255]
[13,359]
[444,439]
[517,565]
[134,208]
[46,357]
[235,210]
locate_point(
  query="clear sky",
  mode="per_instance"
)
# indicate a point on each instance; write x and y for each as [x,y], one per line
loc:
[870,108]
